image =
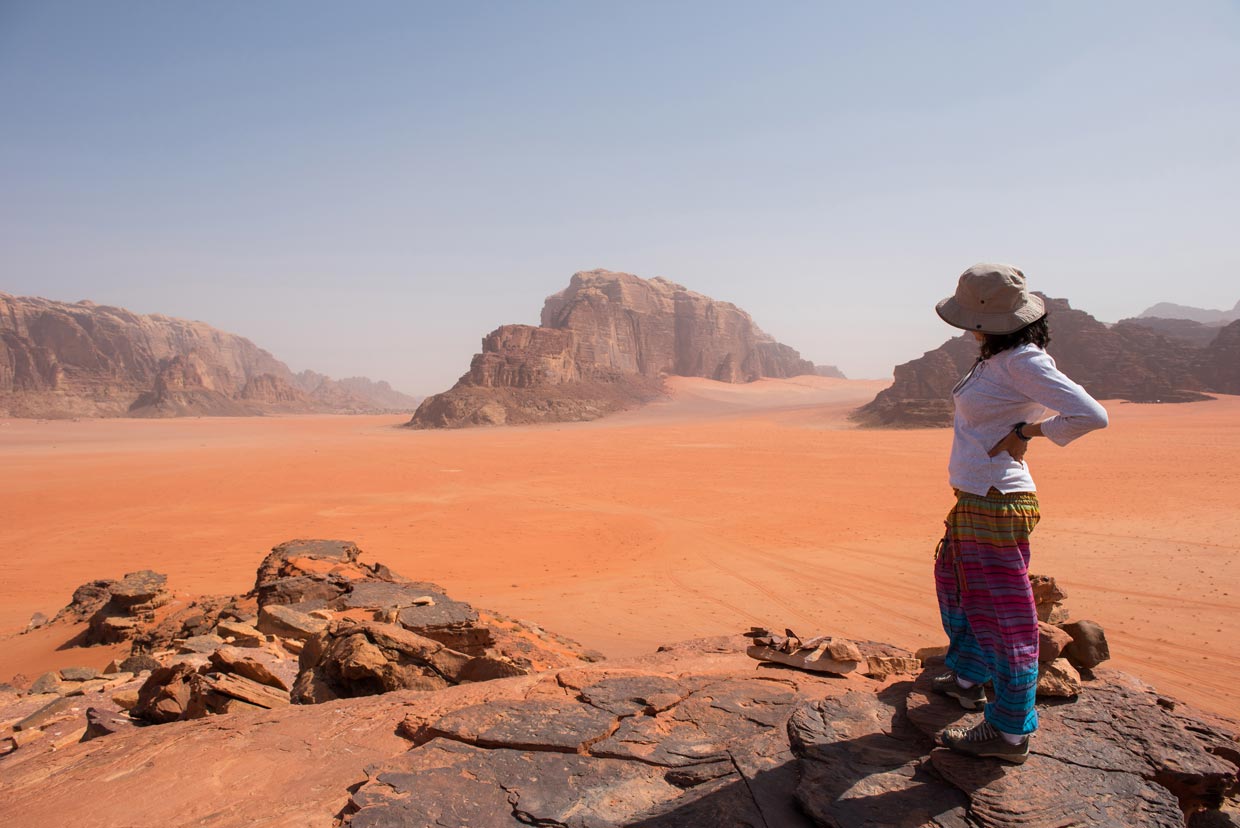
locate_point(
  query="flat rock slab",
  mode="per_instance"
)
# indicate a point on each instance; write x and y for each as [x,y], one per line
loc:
[860,765]
[531,724]
[342,551]
[1045,791]
[385,594]
[505,788]
[442,613]
[629,695]
[701,728]
[1113,756]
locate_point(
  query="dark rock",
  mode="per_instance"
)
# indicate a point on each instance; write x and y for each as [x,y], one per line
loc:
[105,722]
[53,711]
[1088,647]
[140,590]
[859,766]
[699,728]
[87,599]
[525,724]
[380,595]
[305,591]
[166,694]
[349,659]
[46,683]
[204,644]
[630,695]
[503,788]
[1136,760]
[138,663]
[1045,791]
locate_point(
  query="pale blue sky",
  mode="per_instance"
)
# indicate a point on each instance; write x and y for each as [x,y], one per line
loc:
[368,188]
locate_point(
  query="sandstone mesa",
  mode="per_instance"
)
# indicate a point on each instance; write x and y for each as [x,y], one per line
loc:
[85,360]
[605,343]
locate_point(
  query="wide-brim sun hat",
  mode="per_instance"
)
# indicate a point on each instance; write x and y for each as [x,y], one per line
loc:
[993,299]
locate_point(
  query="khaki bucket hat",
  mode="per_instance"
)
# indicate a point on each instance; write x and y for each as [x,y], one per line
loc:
[993,299]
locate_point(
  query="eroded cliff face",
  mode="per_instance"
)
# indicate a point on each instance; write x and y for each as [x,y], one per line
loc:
[1128,361]
[86,360]
[603,344]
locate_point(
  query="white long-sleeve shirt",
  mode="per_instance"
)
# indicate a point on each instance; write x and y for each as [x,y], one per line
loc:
[1014,386]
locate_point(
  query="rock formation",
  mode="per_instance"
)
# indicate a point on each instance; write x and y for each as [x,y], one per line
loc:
[829,371]
[1198,334]
[691,736]
[1129,361]
[319,625]
[68,360]
[1170,310]
[604,343]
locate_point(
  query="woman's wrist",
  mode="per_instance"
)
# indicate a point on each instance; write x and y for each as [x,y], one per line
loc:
[1027,431]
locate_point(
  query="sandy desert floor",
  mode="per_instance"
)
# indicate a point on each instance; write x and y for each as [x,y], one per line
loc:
[725,507]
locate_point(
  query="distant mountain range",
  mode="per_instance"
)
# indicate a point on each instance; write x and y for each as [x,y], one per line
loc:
[1170,310]
[85,360]
[1141,360]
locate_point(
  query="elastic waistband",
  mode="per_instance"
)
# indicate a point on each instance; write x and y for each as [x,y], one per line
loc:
[994,494]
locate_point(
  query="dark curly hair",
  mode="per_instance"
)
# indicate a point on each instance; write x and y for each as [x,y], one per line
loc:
[1035,333]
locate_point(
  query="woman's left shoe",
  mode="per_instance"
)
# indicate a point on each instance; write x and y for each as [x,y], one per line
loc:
[984,740]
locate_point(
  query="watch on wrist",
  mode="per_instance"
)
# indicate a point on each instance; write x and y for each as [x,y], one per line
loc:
[1019,429]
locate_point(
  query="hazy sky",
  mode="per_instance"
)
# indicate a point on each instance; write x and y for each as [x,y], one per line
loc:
[368,188]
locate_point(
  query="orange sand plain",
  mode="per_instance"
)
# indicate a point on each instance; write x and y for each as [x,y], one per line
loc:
[725,507]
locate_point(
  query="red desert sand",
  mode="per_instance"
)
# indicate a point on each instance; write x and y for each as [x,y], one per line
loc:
[723,507]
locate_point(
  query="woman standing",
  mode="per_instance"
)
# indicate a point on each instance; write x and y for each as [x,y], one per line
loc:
[982,568]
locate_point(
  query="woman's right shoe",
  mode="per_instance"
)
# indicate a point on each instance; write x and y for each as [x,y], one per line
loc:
[970,698]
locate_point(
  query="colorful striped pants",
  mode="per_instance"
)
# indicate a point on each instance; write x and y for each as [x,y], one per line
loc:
[981,575]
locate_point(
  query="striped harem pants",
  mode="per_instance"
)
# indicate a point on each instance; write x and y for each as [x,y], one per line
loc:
[981,575]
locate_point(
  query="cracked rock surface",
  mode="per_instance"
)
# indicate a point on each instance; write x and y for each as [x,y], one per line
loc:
[695,736]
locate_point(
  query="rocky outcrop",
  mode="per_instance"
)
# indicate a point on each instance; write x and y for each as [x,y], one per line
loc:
[1219,364]
[1194,333]
[694,735]
[1127,361]
[319,625]
[604,343]
[829,371]
[68,360]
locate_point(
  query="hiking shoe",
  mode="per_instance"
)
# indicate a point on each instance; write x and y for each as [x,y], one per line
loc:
[984,740]
[971,698]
